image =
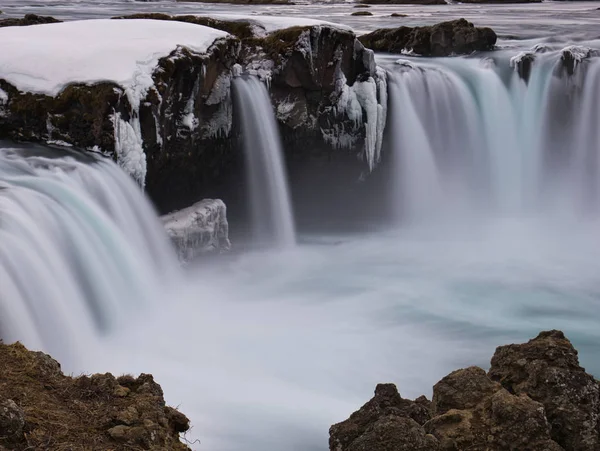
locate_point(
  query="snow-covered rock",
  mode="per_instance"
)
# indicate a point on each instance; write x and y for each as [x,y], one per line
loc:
[45,58]
[199,229]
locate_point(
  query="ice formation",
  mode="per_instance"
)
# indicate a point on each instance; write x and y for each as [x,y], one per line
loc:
[198,229]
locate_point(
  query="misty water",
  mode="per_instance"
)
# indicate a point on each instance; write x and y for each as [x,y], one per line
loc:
[493,236]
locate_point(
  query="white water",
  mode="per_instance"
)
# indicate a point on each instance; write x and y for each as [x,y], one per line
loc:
[78,240]
[264,351]
[470,135]
[272,217]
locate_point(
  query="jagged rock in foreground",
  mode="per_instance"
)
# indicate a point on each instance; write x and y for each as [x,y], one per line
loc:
[199,229]
[455,37]
[535,397]
[42,409]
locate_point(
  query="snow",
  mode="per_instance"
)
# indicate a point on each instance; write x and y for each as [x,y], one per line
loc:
[273,23]
[201,228]
[46,58]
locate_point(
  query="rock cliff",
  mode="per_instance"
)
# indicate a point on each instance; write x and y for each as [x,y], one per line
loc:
[535,397]
[330,101]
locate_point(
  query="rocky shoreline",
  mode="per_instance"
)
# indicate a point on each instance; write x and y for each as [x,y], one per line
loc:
[535,397]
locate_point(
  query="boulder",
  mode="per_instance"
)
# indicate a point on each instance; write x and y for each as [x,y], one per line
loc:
[547,370]
[535,397]
[455,37]
[199,229]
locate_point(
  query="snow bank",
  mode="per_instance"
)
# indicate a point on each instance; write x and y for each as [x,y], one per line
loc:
[198,229]
[46,58]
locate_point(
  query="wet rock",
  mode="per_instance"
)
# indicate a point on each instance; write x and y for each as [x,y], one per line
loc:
[398,15]
[444,39]
[547,370]
[523,64]
[362,13]
[573,56]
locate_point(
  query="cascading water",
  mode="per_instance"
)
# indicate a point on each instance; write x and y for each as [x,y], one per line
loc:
[81,246]
[472,133]
[262,342]
[272,217]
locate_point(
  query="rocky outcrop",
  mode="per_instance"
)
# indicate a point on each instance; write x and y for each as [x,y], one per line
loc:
[455,37]
[41,408]
[329,97]
[199,229]
[535,397]
[29,19]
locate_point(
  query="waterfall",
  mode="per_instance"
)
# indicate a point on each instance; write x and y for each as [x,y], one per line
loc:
[81,247]
[472,134]
[272,218]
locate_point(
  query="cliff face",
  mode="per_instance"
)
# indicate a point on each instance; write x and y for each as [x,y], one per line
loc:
[329,98]
[535,397]
[41,408]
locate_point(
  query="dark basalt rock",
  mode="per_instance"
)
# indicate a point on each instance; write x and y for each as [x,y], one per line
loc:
[362,13]
[444,39]
[29,19]
[535,397]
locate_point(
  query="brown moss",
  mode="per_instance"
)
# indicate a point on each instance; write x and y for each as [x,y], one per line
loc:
[65,413]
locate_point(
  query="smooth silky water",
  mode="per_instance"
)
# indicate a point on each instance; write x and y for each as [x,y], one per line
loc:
[494,238]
